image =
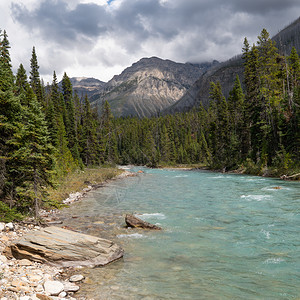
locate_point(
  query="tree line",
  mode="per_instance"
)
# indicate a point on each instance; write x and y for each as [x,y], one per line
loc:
[48,131]
[255,128]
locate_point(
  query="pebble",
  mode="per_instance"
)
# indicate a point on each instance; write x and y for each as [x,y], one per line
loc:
[62,295]
[76,278]
[25,262]
[9,226]
[70,287]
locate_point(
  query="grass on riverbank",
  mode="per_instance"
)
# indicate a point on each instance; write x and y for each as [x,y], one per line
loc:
[77,181]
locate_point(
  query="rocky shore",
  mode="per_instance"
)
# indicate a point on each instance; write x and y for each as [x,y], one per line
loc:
[24,279]
[27,280]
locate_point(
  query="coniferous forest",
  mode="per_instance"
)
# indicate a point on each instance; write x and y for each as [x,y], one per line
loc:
[49,131]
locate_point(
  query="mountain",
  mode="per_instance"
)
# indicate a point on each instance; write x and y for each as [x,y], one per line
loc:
[86,86]
[226,72]
[149,86]
[288,38]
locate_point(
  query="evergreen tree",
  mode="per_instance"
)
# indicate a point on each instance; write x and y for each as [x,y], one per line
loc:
[34,77]
[33,161]
[21,81]
[89,152]
[70,123]
[10,120]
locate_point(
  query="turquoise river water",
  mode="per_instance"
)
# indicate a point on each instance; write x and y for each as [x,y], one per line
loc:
[224,236]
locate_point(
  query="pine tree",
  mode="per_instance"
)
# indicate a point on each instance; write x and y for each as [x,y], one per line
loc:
[33,159]
[70,122]
[34,77]
[88,142]
[10,120]
[21,81]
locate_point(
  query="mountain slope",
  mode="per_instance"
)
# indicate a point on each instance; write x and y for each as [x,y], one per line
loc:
[148,86]
[86,86]
[288,37]
[227,71]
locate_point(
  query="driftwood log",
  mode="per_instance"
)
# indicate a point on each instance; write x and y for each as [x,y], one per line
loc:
[133,221]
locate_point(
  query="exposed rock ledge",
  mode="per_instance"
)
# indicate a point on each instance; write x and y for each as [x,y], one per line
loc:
[65,248]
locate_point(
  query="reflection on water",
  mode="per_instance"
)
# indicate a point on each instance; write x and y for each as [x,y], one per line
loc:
[225,237]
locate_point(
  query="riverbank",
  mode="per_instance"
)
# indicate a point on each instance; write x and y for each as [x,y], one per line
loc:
[26,280]
[290,174]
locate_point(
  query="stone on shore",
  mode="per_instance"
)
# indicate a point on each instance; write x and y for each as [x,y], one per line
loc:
[133,221]
[64,248]
[53,287]
[76,278]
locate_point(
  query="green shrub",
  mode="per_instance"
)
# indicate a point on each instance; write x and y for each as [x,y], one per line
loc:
[7,214]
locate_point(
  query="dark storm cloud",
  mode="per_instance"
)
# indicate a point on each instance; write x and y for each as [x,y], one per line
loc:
[189,29]
[263,6]
[56,21]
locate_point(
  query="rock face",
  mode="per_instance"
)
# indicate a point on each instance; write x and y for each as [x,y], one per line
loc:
[61,247]
[225,73]
[133,221]
[86,86]
[148,86]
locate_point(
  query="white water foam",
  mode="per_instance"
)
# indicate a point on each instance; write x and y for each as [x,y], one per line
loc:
[273,260]
[266,233]
[131,235]
[181,176]
[160,216]
[255,179]
[257,197]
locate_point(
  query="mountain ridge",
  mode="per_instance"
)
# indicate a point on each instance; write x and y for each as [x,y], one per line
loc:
[148,86]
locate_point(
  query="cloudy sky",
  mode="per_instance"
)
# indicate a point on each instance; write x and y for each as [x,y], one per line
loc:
[99,38]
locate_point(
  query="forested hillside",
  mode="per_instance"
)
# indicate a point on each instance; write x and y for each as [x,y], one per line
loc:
[45,133]
[225,72]
[256,129]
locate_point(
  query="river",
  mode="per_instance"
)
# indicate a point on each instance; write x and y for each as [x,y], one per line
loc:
[225,236]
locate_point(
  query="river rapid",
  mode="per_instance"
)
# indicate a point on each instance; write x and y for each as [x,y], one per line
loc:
[225,236]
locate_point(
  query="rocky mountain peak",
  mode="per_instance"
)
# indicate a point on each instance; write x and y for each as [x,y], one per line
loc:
[149,86]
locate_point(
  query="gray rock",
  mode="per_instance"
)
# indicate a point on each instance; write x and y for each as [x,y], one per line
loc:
[76,278]
[133,221]
[2,226]
[53,287]
[25,262]
[25,298]
[9,226]
[70,287]
[65,248]
[62,295]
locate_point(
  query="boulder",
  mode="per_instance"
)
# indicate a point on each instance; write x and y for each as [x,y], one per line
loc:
[53,287]
[64,248]
[133,221]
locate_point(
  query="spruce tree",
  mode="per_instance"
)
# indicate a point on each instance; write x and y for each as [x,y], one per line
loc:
[10,120]
[70,122]
[21,81]
[34,77]
[33,160]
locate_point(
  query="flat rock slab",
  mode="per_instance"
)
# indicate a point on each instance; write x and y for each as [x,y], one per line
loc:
[64,248]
